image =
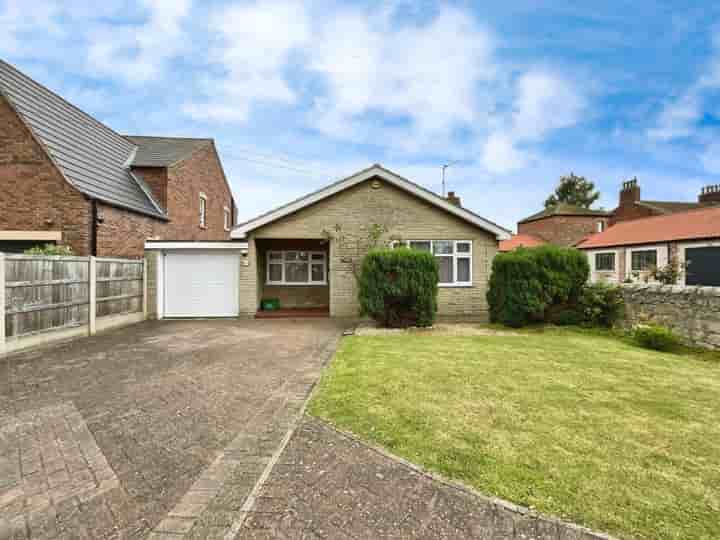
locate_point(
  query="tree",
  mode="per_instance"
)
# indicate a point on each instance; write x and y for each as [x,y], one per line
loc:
[575,190]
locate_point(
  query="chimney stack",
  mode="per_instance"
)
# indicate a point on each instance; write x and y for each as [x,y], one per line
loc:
[710,194]
[630,193]
[453,199]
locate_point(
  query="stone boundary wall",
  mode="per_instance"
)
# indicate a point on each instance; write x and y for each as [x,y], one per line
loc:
[692,312]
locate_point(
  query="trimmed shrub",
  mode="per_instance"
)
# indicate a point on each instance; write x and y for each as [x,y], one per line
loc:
[657,338]
[568,317]
[601,304]
[525,283]
[399,287]
[50,249]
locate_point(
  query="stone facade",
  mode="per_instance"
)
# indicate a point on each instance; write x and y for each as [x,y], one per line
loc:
[692,312]
[562,230]
[355,210]
[35,196]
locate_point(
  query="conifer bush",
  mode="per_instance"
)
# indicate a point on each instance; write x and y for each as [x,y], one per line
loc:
[399,287]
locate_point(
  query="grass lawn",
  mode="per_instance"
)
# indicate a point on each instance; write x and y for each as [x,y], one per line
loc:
[579,425]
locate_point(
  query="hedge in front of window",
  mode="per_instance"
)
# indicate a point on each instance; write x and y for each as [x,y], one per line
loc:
[399,287]
[526,283]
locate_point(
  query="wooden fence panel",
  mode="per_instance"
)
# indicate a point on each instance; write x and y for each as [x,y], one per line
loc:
[43,293]
[119,286]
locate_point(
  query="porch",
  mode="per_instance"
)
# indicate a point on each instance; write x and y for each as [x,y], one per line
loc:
[293,277]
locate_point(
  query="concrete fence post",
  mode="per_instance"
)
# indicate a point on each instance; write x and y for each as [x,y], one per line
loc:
[2,304]
[145,288]
[92,302]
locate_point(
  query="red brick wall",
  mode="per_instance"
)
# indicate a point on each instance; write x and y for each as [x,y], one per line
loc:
[630,211]
[156,179]
[123,233]
[201,172]
[561,230]
[34,196]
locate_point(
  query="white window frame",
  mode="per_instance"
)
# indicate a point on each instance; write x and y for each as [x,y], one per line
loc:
[226,218]
[203,210]
[283,261]
[682,256]
[661,259]
[455,255]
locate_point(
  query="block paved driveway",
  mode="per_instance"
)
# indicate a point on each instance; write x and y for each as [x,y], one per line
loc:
[156,430]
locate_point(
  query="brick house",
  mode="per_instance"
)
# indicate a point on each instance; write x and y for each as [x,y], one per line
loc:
[305,253]
[632,249]
[631,206]
[562,225]
[66,178]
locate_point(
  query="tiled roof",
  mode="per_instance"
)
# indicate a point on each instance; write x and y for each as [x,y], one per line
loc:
[563,209]
[690,225]
[520,240]
[91,156]
[669,207]
[163,151]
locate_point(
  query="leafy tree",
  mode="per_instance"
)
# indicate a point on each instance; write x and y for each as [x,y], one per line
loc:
[575,190]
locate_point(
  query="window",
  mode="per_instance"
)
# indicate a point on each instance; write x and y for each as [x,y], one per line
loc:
[605,262]
[600,226]
[454,259]
[643,261]
[203,210]
[226,221]
[296,268]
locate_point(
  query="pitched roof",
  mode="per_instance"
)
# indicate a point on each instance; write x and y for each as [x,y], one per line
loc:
[371,172]
[690,225]
[163,151]
[669,207]
[564,209]
[520,240]
[90,155]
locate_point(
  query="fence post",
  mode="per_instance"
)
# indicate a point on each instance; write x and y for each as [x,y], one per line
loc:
[92,302]
[145,289]
[2,304]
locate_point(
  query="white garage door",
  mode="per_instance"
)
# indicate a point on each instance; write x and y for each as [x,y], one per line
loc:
[201,284]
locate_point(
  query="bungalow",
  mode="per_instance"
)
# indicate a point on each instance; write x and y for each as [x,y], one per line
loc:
[306,254]
[632,249]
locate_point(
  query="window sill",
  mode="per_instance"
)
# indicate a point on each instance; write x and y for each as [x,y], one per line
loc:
[454,285]
[280,284]
[203,227]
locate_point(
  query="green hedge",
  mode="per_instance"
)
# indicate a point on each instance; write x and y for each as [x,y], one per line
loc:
[527,283]
[398,287]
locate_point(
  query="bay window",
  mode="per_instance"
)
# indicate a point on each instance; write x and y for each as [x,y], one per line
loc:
[296,268]
[454,258]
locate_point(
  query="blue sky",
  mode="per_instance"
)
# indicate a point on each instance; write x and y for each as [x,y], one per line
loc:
[297,94]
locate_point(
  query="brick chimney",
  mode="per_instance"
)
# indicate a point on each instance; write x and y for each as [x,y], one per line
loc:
[630,193]
[453,199]
[710,194]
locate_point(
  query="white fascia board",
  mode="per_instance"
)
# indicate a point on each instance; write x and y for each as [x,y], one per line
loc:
[241,230]
[150,245]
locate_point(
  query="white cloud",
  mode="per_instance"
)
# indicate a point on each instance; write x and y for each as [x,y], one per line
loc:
[544,102]
[499,154]
[427,75]
[710,158]
[256,43]
[679,117]
[139,53]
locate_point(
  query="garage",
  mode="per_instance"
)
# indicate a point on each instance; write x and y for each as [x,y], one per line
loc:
[198,279]
[703,266]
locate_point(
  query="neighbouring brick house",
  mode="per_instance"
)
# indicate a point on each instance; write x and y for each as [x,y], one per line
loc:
[631,206]
[631,249]
[66,178]
[306,253]
[562,225]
